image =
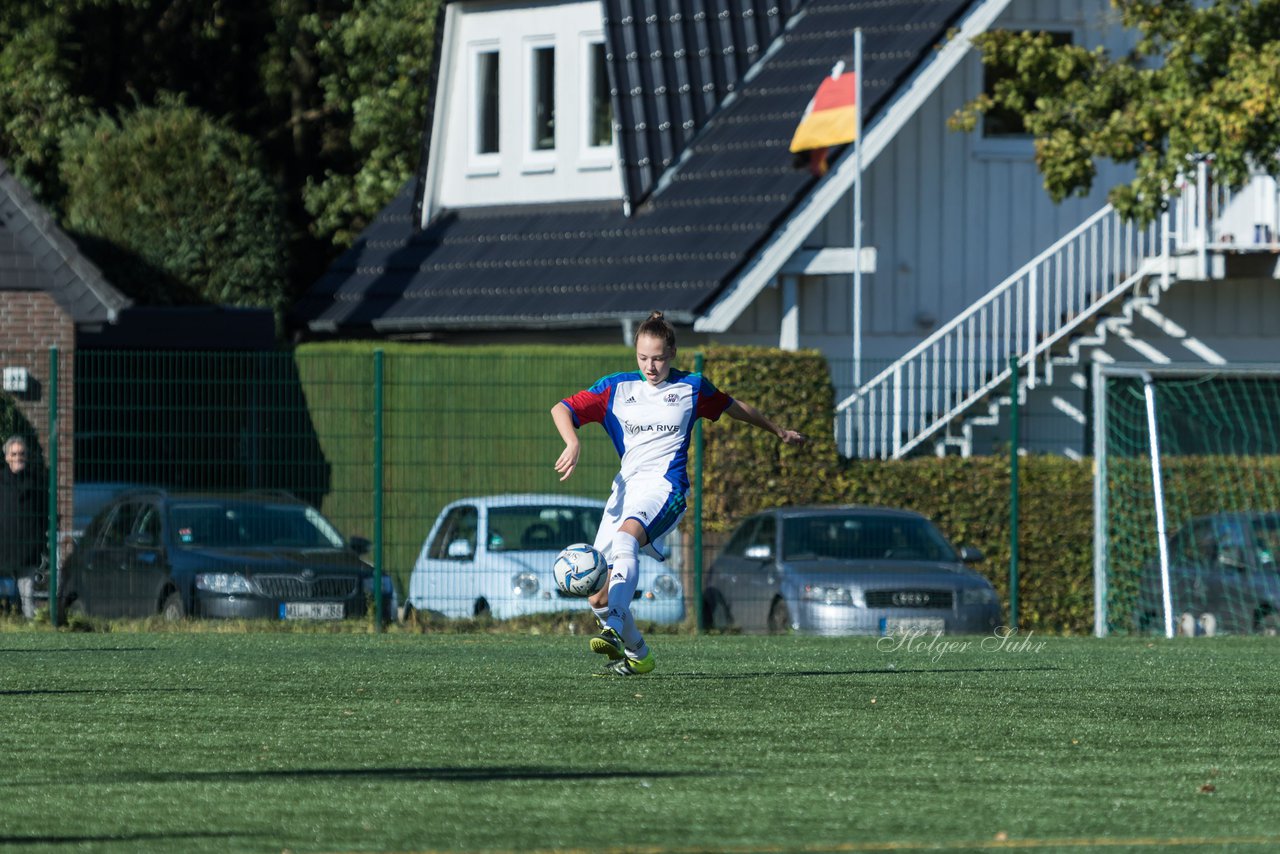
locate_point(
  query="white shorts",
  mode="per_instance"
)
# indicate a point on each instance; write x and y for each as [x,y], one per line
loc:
[654,502]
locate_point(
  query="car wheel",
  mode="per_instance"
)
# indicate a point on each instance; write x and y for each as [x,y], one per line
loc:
[481,609]
[1269,623]
[779,618]
[715,610]
[173,610]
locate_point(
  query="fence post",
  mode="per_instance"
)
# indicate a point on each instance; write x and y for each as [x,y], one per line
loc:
[377,490]
[697,510]
[53,486]
[1013,492]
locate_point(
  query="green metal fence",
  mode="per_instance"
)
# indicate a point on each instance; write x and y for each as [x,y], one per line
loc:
[377,441]
[380,440]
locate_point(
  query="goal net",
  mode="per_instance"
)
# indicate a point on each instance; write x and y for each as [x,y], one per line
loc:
[1187,500]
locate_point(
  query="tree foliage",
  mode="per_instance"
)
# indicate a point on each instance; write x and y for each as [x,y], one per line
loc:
[1203,81]
[330,93]
[376,78]
[176,205]
[37,100]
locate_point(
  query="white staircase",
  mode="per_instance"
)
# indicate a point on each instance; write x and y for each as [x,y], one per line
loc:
[1086,287]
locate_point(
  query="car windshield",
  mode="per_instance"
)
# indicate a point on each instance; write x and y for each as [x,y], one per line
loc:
[541,528]
[250,524]
[863,537]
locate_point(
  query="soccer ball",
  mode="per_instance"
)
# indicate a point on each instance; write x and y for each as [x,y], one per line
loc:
[580,570]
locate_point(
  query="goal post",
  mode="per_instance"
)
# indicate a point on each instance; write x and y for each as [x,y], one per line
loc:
[1186,499]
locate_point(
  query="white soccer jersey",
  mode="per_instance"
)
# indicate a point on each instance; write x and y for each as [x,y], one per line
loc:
[650,424]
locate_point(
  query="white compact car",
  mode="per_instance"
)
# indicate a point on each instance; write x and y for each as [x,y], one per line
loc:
[492,556]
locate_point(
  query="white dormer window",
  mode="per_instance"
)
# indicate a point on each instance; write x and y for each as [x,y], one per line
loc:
[523,111]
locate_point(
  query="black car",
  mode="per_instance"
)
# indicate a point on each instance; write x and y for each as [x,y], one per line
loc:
[1224,577]
[251,555]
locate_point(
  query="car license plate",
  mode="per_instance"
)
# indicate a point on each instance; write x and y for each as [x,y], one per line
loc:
[912,625]
[311,611]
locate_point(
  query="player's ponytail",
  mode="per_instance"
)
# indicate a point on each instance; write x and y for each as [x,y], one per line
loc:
[656,326]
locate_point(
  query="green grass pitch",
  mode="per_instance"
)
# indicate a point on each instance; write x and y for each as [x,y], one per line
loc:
[298,742]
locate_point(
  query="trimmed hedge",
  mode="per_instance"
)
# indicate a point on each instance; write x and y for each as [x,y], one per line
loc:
[745,468]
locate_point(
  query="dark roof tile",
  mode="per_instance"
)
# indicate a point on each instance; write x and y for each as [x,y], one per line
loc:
[40,256]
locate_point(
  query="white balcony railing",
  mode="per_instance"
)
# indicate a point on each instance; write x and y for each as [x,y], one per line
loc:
[1098,264]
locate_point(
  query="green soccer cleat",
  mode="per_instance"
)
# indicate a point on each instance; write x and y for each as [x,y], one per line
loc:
[627,666]
[609,643]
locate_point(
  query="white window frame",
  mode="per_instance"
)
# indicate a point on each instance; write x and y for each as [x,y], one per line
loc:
[1014,147]
[481,163]
[538,160]
[591,157]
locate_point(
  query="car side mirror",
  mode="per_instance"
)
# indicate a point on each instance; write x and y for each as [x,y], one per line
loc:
[359,545]
[969,554]
[141,541]
[759,552]
[460,548]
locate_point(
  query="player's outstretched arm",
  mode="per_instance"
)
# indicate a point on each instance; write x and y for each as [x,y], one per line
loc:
[568,459]
[748,414]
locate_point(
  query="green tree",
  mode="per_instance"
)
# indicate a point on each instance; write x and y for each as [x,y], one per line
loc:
[332,92]
[1202,81]
[175,206]
[375,60]
[37,102]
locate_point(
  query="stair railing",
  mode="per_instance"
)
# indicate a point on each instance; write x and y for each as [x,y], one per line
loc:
[1066,286]
[1025,316]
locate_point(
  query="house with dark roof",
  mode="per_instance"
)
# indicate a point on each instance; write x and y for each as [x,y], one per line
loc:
[587,161]
[55,301]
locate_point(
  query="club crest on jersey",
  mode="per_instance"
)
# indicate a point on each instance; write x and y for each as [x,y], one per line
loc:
[672,399]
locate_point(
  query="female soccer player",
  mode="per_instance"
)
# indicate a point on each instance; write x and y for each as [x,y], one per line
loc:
[649,415]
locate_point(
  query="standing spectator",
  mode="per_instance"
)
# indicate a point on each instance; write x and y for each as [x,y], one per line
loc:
[22,522]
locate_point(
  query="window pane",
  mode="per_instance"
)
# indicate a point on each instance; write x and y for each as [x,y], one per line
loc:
[601,121]
[544,98]
[487,106]
[1001,122]
[459,526]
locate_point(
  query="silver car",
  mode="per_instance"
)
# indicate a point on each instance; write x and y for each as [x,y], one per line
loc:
[846,571]
[491,556]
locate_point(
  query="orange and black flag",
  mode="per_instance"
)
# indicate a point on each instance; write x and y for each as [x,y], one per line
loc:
[830,119]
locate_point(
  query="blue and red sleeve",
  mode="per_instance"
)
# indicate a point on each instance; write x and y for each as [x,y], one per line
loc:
[711,401]
[590,406]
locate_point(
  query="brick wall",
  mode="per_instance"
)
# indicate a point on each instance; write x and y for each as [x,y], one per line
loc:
[31,322]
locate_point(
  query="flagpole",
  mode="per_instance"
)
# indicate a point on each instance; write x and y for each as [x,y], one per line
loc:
[857,210]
